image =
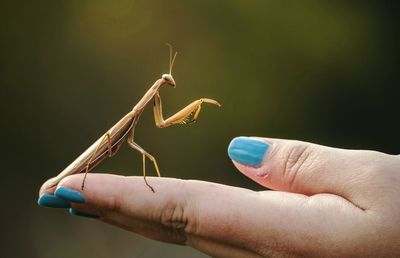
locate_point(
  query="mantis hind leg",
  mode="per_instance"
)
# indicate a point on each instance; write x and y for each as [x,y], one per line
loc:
[105,137]
[145,154]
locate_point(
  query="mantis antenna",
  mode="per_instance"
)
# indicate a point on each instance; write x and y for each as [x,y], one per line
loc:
[171,59]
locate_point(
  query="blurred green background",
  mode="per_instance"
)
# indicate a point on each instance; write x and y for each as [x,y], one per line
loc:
[325,72]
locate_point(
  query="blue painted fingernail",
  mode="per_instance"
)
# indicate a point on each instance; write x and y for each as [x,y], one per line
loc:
[82,214]
[69,195]
[51,201]
[247,151]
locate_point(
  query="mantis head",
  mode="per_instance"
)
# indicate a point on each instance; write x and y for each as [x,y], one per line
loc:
[168,79]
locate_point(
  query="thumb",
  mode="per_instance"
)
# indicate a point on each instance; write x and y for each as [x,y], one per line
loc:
[305,168]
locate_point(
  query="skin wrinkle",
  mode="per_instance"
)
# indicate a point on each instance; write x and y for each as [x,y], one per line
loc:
[297,157]
[173,216]
[168,231]
[146,228]
[353,197]
[174,221]
[192,213]
[191,204]
[173,235]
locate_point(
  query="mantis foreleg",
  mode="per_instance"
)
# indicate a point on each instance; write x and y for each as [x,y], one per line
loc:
[186,115]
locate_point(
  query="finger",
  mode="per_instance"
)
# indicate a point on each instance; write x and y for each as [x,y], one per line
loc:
[47,198]
[194,211]
[151,230]
[45,189]
[307,168]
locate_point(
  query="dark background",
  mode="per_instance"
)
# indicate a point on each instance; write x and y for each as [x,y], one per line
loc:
[307,70]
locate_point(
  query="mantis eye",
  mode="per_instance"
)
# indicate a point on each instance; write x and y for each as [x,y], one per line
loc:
[166,77]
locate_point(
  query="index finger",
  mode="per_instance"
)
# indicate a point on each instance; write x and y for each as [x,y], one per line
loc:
[203,210]
[45,189]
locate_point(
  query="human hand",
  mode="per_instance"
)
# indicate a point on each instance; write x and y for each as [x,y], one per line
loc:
[328,202]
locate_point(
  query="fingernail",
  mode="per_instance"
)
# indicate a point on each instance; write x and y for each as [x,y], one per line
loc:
[69,195]
[247,151]
[81,214]
[51,201]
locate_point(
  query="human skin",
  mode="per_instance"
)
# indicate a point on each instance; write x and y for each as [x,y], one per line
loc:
[326,202]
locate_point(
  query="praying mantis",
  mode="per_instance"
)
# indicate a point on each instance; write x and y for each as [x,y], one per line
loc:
[124,130]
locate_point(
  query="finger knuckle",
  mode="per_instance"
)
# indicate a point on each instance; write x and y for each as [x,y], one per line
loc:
[174,219]
[295,162]
[172,216]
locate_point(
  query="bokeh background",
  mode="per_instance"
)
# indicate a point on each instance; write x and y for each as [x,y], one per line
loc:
[325,72]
